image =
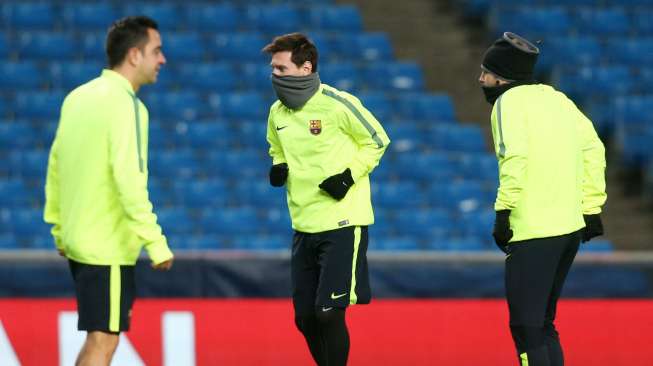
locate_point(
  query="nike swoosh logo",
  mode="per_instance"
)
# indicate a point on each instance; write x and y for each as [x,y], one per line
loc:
[326,309]
[281,128]
[334,296]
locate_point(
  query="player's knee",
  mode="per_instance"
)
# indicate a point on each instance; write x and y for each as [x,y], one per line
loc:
[327,317]
[527,338]
[102,340]
[305,323]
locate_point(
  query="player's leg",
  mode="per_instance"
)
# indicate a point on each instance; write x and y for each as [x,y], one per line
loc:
[304,277]
[344,280]
[98,349]
[530,270]
[550,332]
[105,295]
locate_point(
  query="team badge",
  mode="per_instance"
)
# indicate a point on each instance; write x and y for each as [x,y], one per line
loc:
[315,125]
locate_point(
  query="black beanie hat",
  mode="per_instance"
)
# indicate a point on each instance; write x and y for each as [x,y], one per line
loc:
[511,57]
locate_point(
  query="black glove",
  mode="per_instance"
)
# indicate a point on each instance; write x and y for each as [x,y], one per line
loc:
[278,174]
[502,232]
[338,185]
[593,227]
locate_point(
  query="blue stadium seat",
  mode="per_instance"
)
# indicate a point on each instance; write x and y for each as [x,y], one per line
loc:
[274,19]
[455,137]
[169,106]
[429,224]
[405,135]
[324,43]
[30,164]
[579,50]
[602,21]
[199,194]
[174,220]
[481,167]
[479,224]
[399,76]
[158,194]
[247,163]
[255,76]
[344,18]
[379,104]
[341,75]
[633,51]
[367,46]
[209,77]
[4,109]
[247,105]
[93,46]
[463,196]
[530,22]
[238,47]
[204,134]
[213,17]
[252,135]
[259,193]
[38,105]
[183,47]
[28,222]
[46,46]
[13,193]
[167,79]
[634,143]
[277,219]
[394,243]
[643,22]
[97,16]
[16,135]
[8,241]
[5,46]
[230,221]
[23,75]
[397,195]
[262,242]
[426,167]
[645,77]
[594,81]
[166,14]
[176,163]
[634,109]
[69,75]
[428,107]
[30,15]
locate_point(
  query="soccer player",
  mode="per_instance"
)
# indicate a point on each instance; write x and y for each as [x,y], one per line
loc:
[551,190]
[323,144]
[96,189]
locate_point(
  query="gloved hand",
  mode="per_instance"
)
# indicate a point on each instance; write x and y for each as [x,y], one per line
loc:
[502,232]
[278,174]
[338,185]
[593,227]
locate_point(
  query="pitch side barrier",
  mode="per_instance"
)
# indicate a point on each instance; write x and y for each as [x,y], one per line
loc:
[266,274]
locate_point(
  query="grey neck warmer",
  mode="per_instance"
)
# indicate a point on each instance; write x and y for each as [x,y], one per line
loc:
[295,91]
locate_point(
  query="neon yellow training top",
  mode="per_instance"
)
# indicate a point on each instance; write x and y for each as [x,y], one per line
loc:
[330,133]
[551,162]
[96,188]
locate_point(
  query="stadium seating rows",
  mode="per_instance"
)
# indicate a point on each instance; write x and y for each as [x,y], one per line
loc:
[208,155]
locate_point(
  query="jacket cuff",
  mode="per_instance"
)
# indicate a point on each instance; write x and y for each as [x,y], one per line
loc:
[159,251]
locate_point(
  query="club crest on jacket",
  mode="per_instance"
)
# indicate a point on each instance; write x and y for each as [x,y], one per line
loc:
[315,126]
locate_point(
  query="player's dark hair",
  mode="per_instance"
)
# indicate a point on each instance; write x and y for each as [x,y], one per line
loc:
[300,47]
[126,33]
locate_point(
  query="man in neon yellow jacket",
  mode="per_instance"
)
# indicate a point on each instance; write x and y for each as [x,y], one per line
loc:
[551,190]
[323,144]
[96,188]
